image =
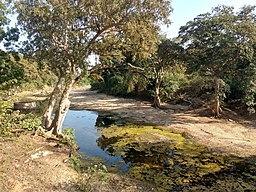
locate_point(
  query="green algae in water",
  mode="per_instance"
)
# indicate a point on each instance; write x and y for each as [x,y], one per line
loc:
[173,163]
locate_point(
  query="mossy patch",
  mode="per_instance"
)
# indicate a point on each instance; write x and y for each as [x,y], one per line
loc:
[136,133]
[164,158]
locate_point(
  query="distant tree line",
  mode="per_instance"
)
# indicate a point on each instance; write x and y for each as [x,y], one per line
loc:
[17,71]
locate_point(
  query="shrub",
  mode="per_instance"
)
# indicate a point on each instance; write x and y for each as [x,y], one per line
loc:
[172,82]
[93,179]
[12,120]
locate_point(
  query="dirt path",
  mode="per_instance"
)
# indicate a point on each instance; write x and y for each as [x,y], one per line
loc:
[33,164]
[225,135]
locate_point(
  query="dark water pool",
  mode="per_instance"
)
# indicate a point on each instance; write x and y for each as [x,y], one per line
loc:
[165,159]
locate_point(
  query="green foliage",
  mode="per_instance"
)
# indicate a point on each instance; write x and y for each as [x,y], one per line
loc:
[172,82]
[3,18]
[34,76]
[94,178]
[221,45]
[13,120]
[84,81]
[5,118]
[8,36]
[63,35]
[69,139]
[29,121]
[250,89]
[18,73]
[140,79]
[11,71]
[198,90]
[75,162]
[117,83]
[70,132]
[70,136]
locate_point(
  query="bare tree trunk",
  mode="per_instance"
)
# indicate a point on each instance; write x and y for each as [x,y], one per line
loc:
[62,108]
[46,121]
[157,99]
[217,105]
[159,79]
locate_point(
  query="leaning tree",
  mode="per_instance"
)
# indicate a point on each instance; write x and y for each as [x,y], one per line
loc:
[63,33]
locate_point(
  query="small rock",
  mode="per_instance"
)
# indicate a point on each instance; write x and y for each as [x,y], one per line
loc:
[26,161]
[65,160]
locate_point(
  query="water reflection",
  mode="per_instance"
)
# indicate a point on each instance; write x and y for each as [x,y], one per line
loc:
[104,120]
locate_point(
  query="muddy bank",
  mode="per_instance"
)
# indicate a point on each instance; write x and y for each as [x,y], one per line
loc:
[227,136]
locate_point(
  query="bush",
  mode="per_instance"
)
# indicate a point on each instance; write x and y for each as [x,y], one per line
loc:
[172,82]
[114,84]
[13,120]
[84,81]
[93,179]
[18,73]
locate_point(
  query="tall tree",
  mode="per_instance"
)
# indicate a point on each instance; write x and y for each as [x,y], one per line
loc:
[167,55]
[220,44]
[62,33]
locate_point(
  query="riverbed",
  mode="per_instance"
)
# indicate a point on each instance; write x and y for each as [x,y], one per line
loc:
[231,136]
[150,153]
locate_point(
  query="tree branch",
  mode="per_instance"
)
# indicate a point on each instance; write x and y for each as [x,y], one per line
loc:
[135,67]
[104,29]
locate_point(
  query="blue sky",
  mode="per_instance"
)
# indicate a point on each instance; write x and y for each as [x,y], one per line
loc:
[186,10]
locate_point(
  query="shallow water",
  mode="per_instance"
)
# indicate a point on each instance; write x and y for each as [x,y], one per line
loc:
[152,154]
[86,134]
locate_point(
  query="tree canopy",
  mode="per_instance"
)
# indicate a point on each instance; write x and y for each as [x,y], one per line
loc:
[63,34]
[221,44]
[215,52]
[71,30]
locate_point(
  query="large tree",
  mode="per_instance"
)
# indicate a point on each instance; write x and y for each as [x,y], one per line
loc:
[221,45]
[164,60]
[63,33]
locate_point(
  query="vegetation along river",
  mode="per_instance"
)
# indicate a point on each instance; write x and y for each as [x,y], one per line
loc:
[167,159]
